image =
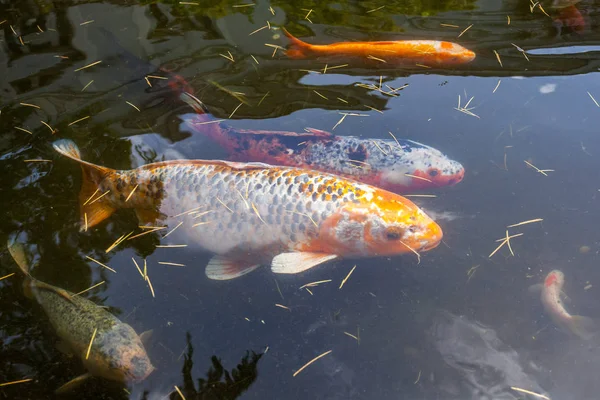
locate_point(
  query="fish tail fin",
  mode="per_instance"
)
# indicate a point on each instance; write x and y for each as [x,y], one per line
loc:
[297,48]
[96,211]
[17,251]
[584,327]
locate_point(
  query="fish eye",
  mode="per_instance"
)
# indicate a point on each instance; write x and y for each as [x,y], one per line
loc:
[393,233]
[433,172]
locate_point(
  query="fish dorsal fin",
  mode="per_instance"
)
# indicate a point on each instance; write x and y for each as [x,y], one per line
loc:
[294,263]
[61,292]
[147,216]
[222,268]
[145,336]
[310,133]
[231,164]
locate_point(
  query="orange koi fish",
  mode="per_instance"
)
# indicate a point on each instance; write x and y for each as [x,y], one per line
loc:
[249,214]
[551,291]
[397,165]
[385,54]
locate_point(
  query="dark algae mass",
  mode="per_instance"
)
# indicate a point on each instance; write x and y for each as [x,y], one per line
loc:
[413,186]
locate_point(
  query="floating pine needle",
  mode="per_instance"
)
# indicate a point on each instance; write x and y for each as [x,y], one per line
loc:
[342,100]
[179,391]
[37,160]
[131,193]
[133,105]
[91,341]
[171,263]
[304,215]
[510,237]
[320,95]
[30,105]
[308,290]
[541,396]
[521,51]
[531,221]
[419,195]
[275,48]
[99,197]
[593,99]
[91,197]
[90,288]
[6,276]
[119,241]
[497,86]
[15,382]
[541,171]
[339,122]
[85,219]
[167,246]
[52,130]
[508,20]
[450,26]
[254,58]
[414,251]
[102,265]
[466,29]
[244,5]
[375,9]
[89,83]
[157,77]
[257,214]
[148,81]
[229,57]
[137,266]
[150,285]
[261,100]
[233,112]
[146,232]
[313,284]
[311,361]
[173,230]
[351,335]
[258,30]
[79,120]
[498,58]
[282,306]
[418,377]
[86,22]
[24,130]
[376,58]
[374,109]
[89,65]
[347,276]
[508,244]
[418,177]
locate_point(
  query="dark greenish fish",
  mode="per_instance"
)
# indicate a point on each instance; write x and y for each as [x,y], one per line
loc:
[116,353]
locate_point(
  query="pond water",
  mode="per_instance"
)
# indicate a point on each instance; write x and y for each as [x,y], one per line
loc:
[453,324]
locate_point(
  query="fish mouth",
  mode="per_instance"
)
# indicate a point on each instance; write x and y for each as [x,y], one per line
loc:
[432,237]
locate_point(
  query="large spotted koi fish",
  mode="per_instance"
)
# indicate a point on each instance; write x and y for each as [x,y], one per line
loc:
[400,166]
[249,214]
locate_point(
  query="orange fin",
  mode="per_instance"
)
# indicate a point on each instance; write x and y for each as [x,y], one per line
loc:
[222,268]
[298,48]
[310,133]
[294,263]
[92,175]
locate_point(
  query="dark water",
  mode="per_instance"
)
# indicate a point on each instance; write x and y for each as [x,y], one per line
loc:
[413,344]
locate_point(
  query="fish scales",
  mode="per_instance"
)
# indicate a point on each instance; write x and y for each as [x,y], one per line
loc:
[279,195]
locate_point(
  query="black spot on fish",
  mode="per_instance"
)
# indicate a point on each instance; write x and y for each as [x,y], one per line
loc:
[314,196]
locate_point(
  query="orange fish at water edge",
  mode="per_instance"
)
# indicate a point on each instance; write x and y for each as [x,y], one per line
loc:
[384,54]
[252,213]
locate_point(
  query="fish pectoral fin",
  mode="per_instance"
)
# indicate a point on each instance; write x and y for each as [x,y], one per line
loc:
[73,384]
[222,268]
[146,335]
[294,263]
[147,216]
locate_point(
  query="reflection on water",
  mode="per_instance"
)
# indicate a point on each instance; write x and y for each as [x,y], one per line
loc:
[532,90]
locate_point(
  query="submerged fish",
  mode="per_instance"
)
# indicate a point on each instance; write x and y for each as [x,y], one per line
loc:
[251,213]
[551,291]
[399,166]
[116,353]
[385,54]
[569,17]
